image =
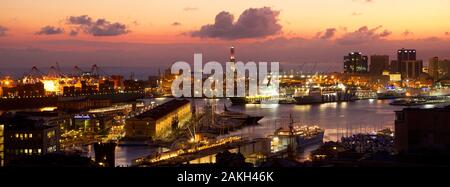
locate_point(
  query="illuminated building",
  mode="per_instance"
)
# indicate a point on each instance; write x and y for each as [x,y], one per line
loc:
[134,85]
[404,55]
[355,62]
[118,81]
[378,63]
[24,137]
[232,56]
[166,82]
[30,90]
[438,68]
[418,128]
[88,88]
[6,83]
[395,77]
[404,59]
[78,105]
[106,86]
[159,121]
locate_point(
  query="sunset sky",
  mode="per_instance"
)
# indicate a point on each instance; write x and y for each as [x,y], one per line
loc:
[153,32]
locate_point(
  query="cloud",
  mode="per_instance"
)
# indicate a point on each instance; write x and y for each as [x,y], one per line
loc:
[407,33]
[431,39]
[73,33]
[300,53]
[50,30]
[362,35]
[329,33]
[252,23]
[79,20]
[190,9]
[99,27]
[447,33]
[3,31]
[357,13]
[176,24]
[385,33]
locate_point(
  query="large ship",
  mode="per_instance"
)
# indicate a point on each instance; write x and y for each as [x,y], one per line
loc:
[224,122]
[298,136]
[443,91]
[312,96]
[249,119]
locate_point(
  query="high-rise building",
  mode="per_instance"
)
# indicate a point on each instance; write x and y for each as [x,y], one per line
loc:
[355,62]
[378,64]
[406,54]
[400,65]
[412,68]
[232,57]
[438,68]
[394,67]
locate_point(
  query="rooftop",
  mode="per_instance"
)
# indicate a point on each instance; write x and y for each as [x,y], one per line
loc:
[22,122]
[441,109]
[163,109]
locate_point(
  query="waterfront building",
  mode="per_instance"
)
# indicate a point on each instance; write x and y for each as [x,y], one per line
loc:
[438,68]
[24,137]
[159,121]
[355,62]
[422,128]
[378,64]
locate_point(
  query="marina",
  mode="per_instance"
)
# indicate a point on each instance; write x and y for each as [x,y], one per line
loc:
[337,119]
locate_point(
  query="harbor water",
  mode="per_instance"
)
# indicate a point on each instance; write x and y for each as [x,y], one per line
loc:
[338,119]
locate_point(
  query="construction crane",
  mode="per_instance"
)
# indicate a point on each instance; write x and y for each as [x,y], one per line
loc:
[98,72]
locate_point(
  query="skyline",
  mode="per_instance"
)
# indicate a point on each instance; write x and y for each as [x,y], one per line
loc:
[294,32]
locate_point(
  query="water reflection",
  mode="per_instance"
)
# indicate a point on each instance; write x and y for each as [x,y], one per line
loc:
[338,119]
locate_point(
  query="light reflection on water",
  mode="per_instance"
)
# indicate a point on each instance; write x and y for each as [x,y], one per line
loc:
[338,119]
[126,154]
